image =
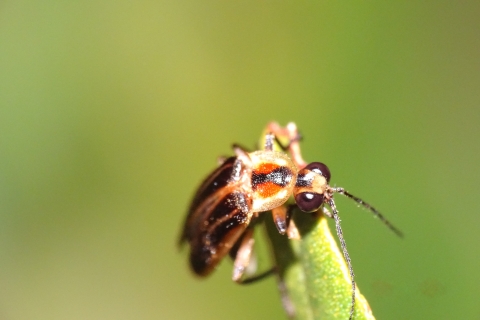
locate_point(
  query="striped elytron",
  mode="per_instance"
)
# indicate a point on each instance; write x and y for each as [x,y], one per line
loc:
[243,186]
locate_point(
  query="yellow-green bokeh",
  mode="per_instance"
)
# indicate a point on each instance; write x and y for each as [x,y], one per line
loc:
[112,112]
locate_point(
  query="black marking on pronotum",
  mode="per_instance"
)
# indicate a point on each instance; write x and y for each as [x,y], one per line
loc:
[280,176]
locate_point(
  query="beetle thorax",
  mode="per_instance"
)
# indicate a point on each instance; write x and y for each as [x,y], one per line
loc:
[273,179]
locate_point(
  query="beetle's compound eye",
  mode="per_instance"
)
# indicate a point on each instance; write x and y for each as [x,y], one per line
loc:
[309,201]
[311,185]
[319,168]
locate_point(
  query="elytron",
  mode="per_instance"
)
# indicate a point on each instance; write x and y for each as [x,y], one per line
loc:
[249,183]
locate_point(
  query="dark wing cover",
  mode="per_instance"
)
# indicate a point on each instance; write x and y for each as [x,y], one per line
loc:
[217,180]
[217,217]
[221,229]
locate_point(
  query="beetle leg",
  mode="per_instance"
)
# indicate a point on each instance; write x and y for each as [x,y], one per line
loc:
[327,212]
[280,218]
[292,230]
[275,132]
[291,132]
[269,141]
[259,277]
[285,148]
[285,298]
[242,155]
[239,146]
[244,253]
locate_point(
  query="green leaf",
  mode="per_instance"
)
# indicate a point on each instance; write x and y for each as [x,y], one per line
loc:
[314,271]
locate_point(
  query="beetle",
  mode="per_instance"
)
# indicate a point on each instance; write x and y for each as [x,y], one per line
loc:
[243,186]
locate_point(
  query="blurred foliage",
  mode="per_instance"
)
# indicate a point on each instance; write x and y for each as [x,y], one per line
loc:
[111,113]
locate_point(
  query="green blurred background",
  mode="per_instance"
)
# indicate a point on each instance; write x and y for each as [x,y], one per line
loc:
[112,112]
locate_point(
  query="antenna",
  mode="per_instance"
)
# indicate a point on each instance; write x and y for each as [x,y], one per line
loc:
[331,203]
[371,209]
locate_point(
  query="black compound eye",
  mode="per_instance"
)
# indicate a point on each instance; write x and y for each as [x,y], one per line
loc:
[319,168]
[309,201]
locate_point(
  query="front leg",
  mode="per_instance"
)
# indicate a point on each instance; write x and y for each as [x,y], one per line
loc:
[282,219]
[327,212]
